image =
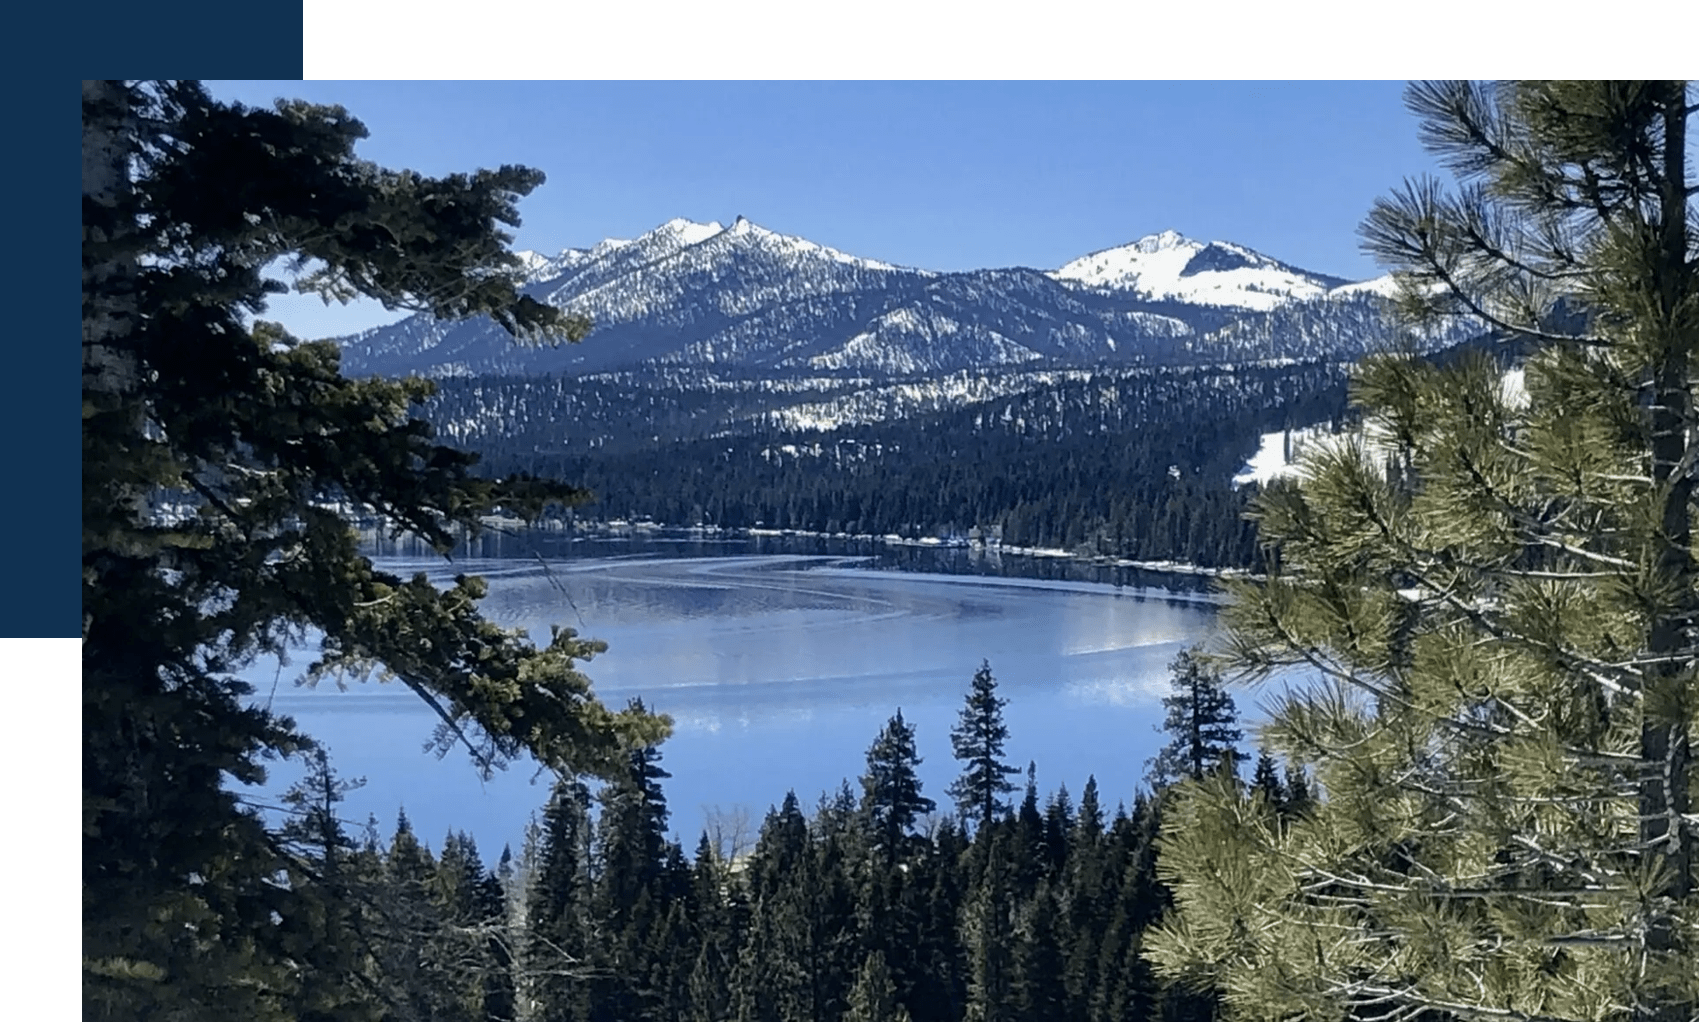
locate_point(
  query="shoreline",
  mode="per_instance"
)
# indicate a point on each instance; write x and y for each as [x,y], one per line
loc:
[621,527]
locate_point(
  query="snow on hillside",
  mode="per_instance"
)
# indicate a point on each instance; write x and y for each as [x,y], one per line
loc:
[538,266]
[690,232]
[1275,456]
[1279,453]
[532,261]
[791,245]
[1384,286]
[1172,267]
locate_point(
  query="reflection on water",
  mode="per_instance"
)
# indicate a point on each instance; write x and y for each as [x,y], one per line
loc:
[778,668]
[531,544]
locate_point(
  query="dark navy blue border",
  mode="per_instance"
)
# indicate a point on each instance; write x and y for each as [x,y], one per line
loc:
[40,390]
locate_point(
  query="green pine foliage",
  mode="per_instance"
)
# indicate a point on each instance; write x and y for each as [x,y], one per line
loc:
[874,996]
[1036,989]
[988,930]
[977,741]
[221,459]
[1266,783]
[327,928]
[891,788]
[559,928]
[1492,593]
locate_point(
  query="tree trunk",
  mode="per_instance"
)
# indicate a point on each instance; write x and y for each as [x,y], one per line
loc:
[109,269]
[111,369]
[1666,752]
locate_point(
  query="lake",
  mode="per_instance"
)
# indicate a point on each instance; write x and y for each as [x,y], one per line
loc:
[779,663]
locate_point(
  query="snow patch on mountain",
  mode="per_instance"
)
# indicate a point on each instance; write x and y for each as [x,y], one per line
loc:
[899,343]
[914,397]
[790,245]
[1384,286]
[1281,454]
[532,261]
[1171,267]
[1276,457]
[538,267]
[690,232]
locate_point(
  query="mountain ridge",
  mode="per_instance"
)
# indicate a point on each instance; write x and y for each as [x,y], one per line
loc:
[707,294]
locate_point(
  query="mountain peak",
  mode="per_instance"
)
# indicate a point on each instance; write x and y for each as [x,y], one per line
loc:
[743,227]
[1168,266]
[1164,241]
[689,231]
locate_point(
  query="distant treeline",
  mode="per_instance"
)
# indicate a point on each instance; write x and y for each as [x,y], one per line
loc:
[1127,466]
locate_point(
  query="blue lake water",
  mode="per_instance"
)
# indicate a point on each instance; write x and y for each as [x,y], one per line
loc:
[779,669]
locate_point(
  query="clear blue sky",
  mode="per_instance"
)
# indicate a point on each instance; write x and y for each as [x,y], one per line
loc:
[947,176]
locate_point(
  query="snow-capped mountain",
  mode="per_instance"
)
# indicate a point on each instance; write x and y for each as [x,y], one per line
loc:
[1171,267]
[749,299]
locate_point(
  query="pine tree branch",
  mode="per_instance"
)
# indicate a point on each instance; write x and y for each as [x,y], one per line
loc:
[1459,1008]
[1630,680]
[1455,290]
[1583,553]
[239,521]
[1494,251]
[486,764]
[1446,594]
[1549,576]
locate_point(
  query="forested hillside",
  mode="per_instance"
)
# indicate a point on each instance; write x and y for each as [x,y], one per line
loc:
[1134,464]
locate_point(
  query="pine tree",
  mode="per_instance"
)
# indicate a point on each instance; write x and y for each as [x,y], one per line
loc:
[1088,894]
[409,927]
[891,788]
[1202,723]
[672,950]
[261,440]
[1297,792]
[719,935]
[773,978]
[636,887]
[977,740]
[518,875]
[1265,781]
[939,989]
[890,919]
[710,986]
[471,950]
[780,848]
[826,896]
[1058,829]
[1494,590]
[328,929]
[634,844]
[1036,991]
[560,930]
[500,986]
[1088,825]
[874,996]
[988,936]
[1029,859]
